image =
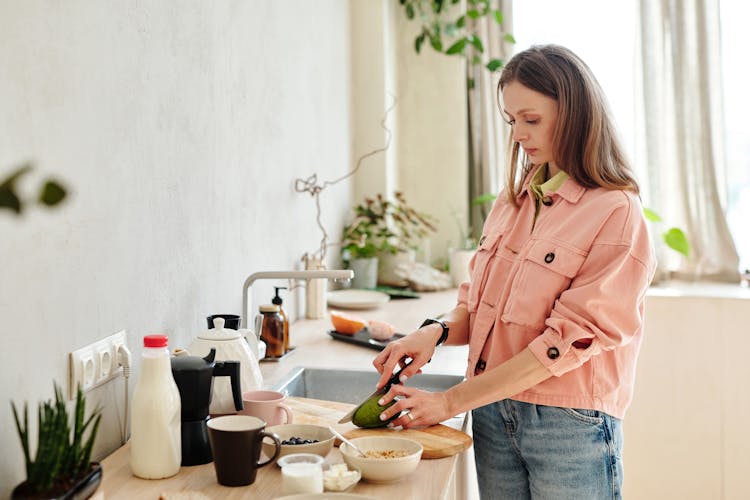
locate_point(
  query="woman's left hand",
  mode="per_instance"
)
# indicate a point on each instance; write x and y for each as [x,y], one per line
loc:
[422,408]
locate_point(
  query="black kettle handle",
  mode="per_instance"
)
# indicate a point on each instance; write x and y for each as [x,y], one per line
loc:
[231,369]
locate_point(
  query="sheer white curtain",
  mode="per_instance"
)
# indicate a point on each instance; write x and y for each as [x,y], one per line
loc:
[488,132]
[681,132]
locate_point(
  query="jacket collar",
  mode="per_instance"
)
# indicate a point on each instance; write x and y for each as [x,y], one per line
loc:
[569,191]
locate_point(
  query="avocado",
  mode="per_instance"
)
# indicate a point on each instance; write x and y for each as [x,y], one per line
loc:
[367,415]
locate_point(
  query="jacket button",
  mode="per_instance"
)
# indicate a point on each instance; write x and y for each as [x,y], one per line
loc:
[553,353]
[481,240]
[547,201]
[549,257]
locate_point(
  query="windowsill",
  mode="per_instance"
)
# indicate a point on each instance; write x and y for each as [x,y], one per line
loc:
[706,290]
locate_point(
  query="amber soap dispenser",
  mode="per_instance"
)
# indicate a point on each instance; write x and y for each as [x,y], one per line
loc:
[277,301]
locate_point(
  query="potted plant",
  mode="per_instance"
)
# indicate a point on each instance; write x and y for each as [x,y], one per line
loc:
[382,233]
[61,468]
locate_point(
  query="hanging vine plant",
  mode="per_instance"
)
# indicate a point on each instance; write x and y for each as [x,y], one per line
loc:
[448,30]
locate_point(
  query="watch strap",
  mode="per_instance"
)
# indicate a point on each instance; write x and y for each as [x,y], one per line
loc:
[444,335]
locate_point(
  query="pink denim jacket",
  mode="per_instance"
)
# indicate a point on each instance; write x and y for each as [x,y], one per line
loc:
[572,290]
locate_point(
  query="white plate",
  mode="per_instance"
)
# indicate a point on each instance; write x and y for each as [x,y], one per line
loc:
[357,299]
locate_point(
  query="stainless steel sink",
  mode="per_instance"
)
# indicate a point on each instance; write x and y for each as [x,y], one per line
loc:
[350,386]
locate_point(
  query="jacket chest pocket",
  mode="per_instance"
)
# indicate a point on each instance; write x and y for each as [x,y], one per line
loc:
[482,263]
[544,273]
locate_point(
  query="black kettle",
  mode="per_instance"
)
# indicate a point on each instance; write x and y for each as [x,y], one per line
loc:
[194,378]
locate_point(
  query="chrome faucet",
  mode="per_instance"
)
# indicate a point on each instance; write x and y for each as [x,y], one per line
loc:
[307,275]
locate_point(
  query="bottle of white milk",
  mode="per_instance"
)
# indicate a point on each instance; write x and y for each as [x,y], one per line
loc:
[155,443]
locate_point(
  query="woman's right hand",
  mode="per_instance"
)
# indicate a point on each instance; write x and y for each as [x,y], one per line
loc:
[418,345]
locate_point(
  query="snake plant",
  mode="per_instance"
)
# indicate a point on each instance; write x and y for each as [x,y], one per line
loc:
[63,455]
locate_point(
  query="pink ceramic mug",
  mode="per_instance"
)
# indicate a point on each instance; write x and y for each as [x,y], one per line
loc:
[268,406]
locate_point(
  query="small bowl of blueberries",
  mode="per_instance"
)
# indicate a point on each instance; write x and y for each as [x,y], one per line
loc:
[300,438]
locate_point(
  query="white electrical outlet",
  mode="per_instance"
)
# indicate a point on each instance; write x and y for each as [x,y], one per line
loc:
[95,364]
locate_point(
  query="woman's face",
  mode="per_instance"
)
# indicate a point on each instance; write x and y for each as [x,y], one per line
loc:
[533,117]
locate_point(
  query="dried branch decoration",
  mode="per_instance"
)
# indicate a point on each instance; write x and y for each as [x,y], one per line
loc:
[310,185]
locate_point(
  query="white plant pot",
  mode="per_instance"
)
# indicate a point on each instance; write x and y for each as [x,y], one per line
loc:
[365,272]
[459,265]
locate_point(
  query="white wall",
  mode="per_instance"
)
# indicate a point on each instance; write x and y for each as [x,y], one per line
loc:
[180,127]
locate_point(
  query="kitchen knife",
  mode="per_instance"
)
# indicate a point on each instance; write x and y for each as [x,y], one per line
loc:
[393,380]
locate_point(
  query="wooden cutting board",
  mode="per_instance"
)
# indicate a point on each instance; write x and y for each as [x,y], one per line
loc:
[439,441]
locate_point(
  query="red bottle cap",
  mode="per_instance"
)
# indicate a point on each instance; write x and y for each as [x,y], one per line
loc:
[157,340]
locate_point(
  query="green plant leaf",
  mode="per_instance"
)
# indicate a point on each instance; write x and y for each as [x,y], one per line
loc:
[52,193]
[498,17]
[651,215]
[470,83]
[23,433]
[509,38]
[461,22]
[473,13]
[436,42]
[483,198]
[418,42]
[410,11]
[676,240]
[476,42]
[494,65]
[8,197]
[457,48]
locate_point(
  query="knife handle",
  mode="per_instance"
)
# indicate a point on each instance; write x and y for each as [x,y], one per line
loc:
[394,379]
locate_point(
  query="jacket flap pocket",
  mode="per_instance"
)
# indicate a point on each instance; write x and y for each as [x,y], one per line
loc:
[488,242]
[556,257]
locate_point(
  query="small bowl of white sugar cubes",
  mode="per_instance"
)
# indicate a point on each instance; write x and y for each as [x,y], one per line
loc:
[338,477]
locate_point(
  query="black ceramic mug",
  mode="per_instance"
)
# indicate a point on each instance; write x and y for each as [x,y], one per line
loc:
[231,321]
[236,441]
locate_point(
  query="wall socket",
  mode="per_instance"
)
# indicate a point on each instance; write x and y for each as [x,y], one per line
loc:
[95,364]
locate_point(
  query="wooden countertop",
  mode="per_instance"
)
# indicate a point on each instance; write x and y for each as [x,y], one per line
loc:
[314,348]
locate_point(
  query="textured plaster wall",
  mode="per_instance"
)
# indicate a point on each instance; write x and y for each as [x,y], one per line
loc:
[179,127]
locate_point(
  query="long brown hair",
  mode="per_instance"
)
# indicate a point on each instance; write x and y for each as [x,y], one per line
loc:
[585,142]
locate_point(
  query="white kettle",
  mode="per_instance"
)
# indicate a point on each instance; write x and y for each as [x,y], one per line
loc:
[230,345]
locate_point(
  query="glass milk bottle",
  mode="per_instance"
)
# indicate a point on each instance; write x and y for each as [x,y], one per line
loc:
[155,443]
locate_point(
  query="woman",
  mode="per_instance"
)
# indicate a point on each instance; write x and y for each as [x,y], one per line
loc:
[553,314]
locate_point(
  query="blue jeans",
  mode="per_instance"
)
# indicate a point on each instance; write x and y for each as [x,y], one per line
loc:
[528,451]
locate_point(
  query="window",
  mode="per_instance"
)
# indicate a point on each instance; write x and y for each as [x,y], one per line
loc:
[603,35]
[600,33]
[734,15]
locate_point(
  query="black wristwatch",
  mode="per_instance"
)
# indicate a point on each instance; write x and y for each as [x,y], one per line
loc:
[444,335]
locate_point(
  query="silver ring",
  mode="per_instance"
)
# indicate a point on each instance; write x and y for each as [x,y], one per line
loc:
[411,417]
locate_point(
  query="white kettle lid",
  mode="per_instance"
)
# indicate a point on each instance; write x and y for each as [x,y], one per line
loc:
[218,332]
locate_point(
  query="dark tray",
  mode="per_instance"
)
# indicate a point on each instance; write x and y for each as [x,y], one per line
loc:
[362,338]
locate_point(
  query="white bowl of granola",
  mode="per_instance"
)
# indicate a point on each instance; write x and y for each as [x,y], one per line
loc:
[387,458]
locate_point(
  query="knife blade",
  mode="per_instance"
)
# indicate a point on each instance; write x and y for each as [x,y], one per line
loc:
[393,380]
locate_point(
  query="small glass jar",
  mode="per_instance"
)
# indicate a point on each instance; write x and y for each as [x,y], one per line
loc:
[301,473]
[272,331]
